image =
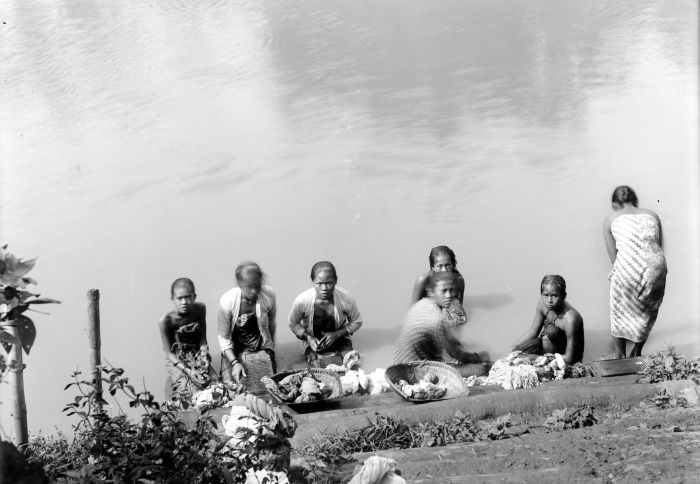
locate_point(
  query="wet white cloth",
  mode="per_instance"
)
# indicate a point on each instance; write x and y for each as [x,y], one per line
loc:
[512,372]
[377,470]
[262,475]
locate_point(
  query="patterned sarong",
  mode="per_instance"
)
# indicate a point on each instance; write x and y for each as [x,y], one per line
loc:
[638,277]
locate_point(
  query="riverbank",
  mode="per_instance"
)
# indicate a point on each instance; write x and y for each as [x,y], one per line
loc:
[628,433]
[626,427]
[628,444]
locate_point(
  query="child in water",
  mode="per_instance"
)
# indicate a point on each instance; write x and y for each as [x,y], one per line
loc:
[442,259]
[557,327]
[427,335]
[183,331]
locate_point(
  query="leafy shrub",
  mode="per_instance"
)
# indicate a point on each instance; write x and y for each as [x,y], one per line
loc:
[666,364]
[158,448]
[564,419]
[667,399]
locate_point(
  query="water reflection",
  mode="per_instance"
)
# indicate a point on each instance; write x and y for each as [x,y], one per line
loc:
[146,141]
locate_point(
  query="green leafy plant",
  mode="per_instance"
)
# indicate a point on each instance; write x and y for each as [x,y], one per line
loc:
[666,364]
[667,399]
[498,429]
[459,428]
[158,448]
[571,419]
[15,300]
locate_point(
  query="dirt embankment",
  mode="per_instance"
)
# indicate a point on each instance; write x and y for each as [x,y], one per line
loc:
[632,444]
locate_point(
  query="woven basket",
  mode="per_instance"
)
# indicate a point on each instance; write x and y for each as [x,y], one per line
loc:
[414,371]
[326,377]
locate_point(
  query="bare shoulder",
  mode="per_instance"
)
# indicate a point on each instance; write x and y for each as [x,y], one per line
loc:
[166,320]
[541,307]
[573,317]
[422,279]
[609,219]
[199,308]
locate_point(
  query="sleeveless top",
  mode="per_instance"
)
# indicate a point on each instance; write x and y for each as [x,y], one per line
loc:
[187,338]
[247,333]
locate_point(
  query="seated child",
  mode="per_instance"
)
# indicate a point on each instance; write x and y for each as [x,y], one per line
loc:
[428,333]
[557,327]
[325,316]
[442,259]
[183,331]
[246,329]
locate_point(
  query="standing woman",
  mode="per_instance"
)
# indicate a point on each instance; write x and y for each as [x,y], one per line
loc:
[246,330]
[442,259]
[638,277]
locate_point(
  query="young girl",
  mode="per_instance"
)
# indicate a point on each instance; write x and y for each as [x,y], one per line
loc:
[425,334]
[325,316]
[557,327]
[183,331]
[442,259]
[246,330]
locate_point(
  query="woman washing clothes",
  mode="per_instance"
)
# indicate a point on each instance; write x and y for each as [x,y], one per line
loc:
[324,317]
[183,331]
[638,277]
[246,330]
[557,327]
[427,335]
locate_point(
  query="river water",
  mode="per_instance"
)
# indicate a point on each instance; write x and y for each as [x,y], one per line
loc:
[145,141]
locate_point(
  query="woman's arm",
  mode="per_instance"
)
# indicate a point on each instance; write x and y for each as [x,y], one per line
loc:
[203,337]
[272,315]
[460,289]
[419,288]
[610,244]
[535,327]
[167,336]
[456,349]
[296,316]
[661,238]
[574,337]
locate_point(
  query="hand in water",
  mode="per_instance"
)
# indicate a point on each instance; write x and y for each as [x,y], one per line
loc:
[238,372]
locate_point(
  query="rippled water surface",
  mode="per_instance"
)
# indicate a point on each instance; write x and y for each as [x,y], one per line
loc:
[144,141]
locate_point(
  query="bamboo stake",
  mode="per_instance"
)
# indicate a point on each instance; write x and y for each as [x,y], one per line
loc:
[93,296]
[19,406]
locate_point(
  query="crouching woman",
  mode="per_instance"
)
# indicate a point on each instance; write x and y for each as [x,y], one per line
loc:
[557,327]
[428,333]
[246,330]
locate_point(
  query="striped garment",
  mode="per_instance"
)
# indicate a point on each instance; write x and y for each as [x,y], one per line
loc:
[423,336]
[638,277]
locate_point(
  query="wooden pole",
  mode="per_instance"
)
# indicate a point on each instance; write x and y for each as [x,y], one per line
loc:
[93,296]
[19,406]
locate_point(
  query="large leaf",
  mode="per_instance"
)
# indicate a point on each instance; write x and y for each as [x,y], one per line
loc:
[16,270]
[43,300]
[17,266]
[27,332]
[6,337]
